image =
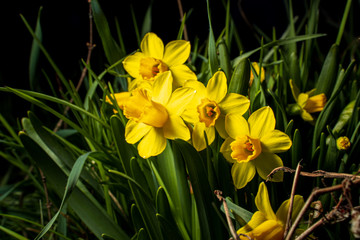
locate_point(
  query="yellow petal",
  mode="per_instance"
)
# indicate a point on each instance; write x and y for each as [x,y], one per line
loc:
[132,64]
[152,144]
[190,115]
[176,52]
[152,46]
[275,142]
[198,137]
[217,87]
[179,100]
[282,212]
[256,219]
[225,149]
[234,103]
[236,125]
[294,90]
[266,162]
[175,128]
[162,88]
[242,173]
[306,116]
[181,73]
[268,230]
[315,103]
[135,131]
[200,90]
[120,98]
[220,126]
[302,99]
[261,122]
[262,202]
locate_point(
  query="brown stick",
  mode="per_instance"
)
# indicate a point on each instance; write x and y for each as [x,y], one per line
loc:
[182,19]
[48,204]
[90,47]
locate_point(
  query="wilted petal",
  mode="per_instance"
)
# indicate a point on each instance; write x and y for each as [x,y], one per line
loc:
[152,143]
[262,202]
[217,87]
[176,52]
[242,173]
[294,90]
[152,46]
[175,128]
[135,131]
[266,162]
[275,141]
[261,122]
[236,125]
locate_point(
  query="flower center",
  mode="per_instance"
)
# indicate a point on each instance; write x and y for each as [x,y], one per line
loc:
[245,148]
[151,67]
[208,111]
[140,108]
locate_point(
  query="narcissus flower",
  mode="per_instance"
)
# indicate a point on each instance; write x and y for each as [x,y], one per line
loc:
[265,224]
[155,59]
[257,70]
[343,143]
[306,103]
[209,107]
[154,115]
[252,146]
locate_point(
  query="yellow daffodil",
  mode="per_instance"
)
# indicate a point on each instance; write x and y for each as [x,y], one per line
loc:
[265,224]
[252,146]
[343,143]
[257,70]
[209,107]
[306,103]
[154,59]
[154,115]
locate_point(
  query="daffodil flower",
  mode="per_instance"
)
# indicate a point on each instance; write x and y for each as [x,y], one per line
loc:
[265,224]
[252,145]
[306,103]
[209,107]
[154,115]
[154,59]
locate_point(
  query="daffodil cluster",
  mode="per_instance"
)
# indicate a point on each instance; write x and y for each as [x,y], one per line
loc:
[166,101]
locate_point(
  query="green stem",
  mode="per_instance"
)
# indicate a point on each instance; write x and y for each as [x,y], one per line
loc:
[343,22]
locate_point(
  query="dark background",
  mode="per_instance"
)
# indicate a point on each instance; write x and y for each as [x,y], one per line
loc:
[65,28]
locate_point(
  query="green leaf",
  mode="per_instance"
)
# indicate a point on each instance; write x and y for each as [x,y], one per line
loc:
[213,61]
[210,225]
[146,26]
[241,212]
[296,149]
[239,82]
[224,58]
[12,233]
[34,55]
[169,230]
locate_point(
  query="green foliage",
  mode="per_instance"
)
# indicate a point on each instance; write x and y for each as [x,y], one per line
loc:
[85,180]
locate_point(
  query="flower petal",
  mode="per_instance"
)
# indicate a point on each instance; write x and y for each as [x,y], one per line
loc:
[261,122]
[266,162]
[242,173]
[282,212]
[234,103]
[294,90]
[176,128]
[307,116]
[179,100]
[217,87]
[268,230]
[176,52]
[225,149]
[132,64]
[198,137]
[152,143]
[152,46]
[236,125]
[262,202]
[220,126]
[275,142]
[162,88]
[256,219]
[135,131]
[181,73]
